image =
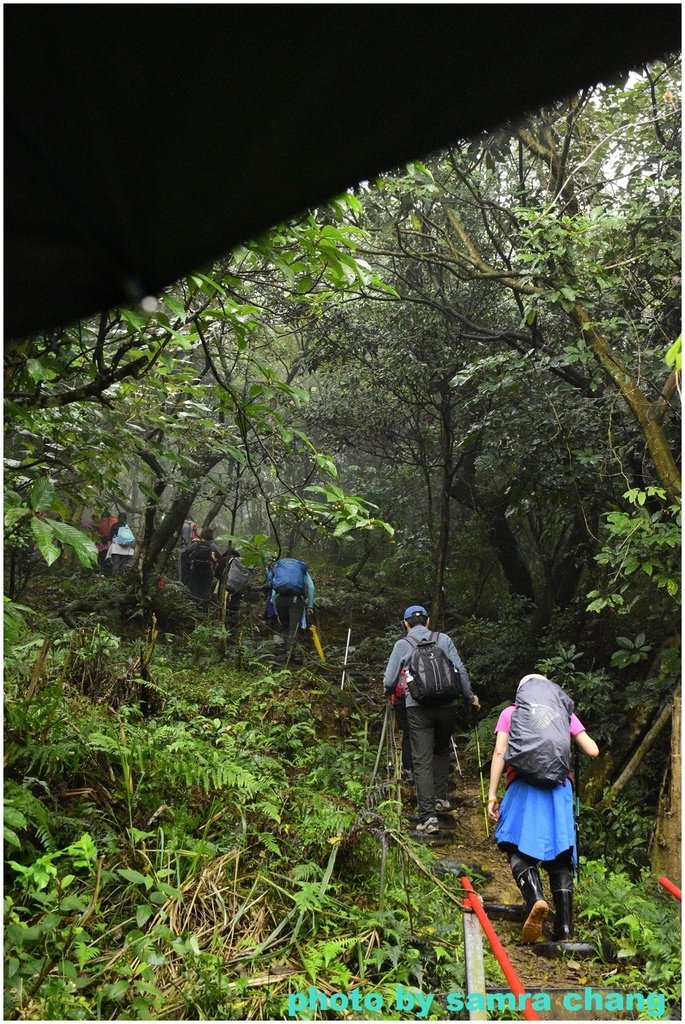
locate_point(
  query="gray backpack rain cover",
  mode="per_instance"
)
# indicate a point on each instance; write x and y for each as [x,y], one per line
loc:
[539,737]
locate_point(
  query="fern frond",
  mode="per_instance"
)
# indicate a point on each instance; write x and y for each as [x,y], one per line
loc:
[35,813]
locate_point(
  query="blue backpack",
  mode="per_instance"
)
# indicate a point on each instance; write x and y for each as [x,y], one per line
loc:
[124,537]
[288,576]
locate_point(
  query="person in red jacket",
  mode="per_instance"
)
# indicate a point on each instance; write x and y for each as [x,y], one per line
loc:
[104,528]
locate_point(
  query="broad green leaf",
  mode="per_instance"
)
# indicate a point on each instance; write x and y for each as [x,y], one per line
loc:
[134,318]
[11,837]
[117,990]
[43,535]
[674,356]
[14,515]
[148,492]
[42,495]
[135,877]
[176,307]
[83,547]
[143,913]
[169,890]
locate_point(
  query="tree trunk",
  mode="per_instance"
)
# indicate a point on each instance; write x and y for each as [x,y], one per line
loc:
[172,522]
[447,478]
[606,766]
[666,841]
[515,569]
[636,760]
[441,548]
[649,415]
[465,490]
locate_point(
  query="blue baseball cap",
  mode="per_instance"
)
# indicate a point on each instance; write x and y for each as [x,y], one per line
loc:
[414,609]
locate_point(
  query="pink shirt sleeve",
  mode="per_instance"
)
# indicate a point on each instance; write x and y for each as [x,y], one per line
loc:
[504,722]
[576,726]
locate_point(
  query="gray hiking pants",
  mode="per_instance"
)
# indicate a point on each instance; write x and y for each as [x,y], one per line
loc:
[289,608]
[430,730]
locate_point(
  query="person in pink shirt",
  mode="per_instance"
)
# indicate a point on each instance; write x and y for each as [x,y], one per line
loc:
[535,826]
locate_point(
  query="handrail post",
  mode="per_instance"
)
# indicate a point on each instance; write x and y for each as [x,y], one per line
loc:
[497,948]
[473,959]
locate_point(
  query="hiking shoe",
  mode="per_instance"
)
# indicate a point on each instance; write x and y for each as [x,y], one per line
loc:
[442,805]
[428,827]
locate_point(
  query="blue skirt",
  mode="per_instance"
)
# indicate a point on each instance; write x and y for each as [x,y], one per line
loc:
[539,822]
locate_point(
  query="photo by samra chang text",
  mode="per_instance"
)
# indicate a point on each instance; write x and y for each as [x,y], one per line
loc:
[587,1001]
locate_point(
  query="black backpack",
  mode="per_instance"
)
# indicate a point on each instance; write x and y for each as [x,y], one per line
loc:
[431,676]
[201,553]
[539,747]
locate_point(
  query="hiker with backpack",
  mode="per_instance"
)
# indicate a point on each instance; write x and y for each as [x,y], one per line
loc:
[535,818]
[232,583]
[121,546]
[292,598]
[189,533]
[202,557]
[104,530]
[436,679]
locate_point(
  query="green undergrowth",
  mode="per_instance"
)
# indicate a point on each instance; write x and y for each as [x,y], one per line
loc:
[201,840]
[210,858]
[642,922]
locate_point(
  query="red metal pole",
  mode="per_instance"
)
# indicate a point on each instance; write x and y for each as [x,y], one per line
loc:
[670,887]
[497,948]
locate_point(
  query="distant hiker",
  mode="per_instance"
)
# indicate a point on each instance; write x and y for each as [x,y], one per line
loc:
[203,557]
[436,678]
[104,528]
[121,547]
[189,533]
[121,520]
[535,819]
[292,597]
[233,580]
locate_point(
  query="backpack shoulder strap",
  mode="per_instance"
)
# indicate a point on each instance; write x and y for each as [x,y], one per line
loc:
[413,643]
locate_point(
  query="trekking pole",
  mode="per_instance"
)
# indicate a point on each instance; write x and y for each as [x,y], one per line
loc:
[482,786]
[456,755]
[576,807]
[349,634]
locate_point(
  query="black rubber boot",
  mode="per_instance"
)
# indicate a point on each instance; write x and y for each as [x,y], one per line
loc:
[527,878]
[561,884]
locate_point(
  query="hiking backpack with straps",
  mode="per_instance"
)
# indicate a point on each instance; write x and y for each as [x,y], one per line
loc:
[539,747]
[430,675]
[288,576]
[238,576]
[201,553]
[124,537]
